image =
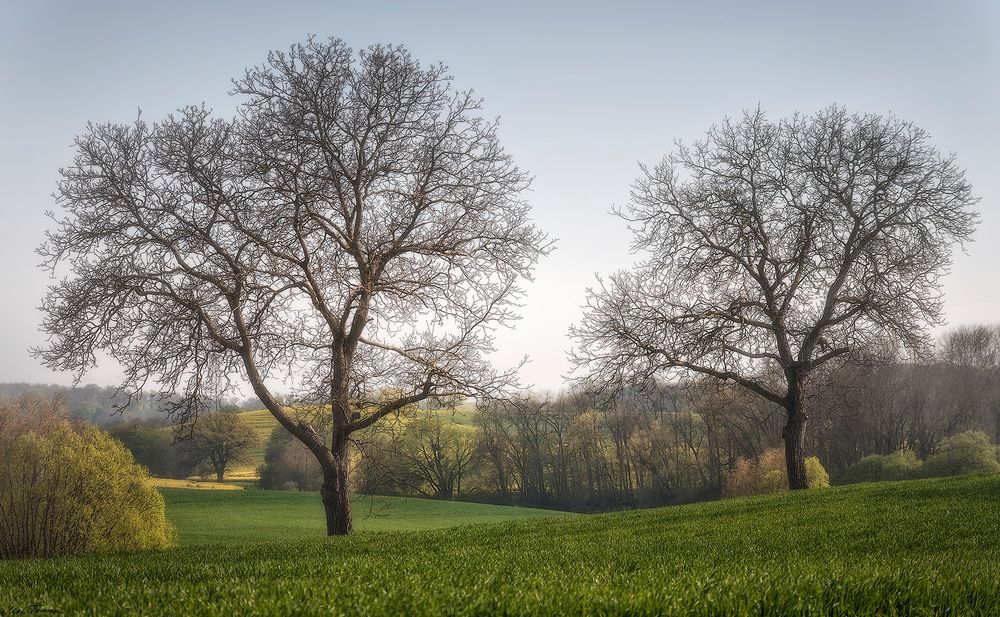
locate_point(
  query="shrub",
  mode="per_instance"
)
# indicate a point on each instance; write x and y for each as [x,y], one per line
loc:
[768,474]
[68,488]
[900,465]
[816,473]
[964,453]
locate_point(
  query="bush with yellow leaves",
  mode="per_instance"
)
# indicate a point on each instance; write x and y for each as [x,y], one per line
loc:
[768,474]
[69,488]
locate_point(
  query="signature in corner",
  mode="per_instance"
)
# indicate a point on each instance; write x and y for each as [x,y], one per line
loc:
[34,609]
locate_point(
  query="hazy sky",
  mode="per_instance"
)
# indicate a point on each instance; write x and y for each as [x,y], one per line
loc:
[585,91]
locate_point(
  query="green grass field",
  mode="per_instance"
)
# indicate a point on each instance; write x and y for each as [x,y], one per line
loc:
[239,517]
[910,548]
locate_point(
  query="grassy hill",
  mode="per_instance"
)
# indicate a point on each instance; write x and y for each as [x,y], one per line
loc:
[227,517]
[907,548]
[263,423]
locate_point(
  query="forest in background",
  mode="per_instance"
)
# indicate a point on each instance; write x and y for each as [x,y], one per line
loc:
[665,443]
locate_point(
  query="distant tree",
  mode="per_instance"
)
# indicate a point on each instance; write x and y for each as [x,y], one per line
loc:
[975,351]
[289,465]
[773,248]
[152,447]
[216,440]
[437,454]
[357,228]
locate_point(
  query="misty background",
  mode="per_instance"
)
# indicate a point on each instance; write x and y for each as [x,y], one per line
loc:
[584,92]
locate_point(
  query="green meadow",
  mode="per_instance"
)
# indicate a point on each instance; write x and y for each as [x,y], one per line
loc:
[925,547]
[251,515]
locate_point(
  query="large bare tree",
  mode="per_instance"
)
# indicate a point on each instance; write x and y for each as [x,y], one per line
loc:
[772,248]
[356,231]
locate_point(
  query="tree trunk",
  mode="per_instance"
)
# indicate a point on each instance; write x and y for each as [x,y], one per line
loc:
[220,468]
[335,493]
[794,434]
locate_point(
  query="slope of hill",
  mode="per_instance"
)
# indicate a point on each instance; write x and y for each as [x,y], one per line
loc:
[222,517]
[263,423]
[905,548]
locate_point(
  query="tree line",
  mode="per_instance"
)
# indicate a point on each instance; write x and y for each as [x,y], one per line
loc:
[669,443]
[106,405]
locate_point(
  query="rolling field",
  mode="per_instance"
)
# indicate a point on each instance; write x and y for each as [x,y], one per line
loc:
[908,548]
[201,485]
[239,517]
[263,423]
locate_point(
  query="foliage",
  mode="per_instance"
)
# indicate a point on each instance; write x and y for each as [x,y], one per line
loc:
[965,453]
[768,474]
[816,473]
[68,488]
[927,547]
[288,464]
[153,448]
[900,465]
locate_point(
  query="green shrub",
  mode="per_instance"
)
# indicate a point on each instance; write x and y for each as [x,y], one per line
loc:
[768,474]
[961,454]
[68,488]
[816,474]
[900,465]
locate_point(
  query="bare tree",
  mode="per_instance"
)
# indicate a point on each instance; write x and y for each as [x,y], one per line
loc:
[773,248]
[356,232]
[215,441]
[437,454]
[975,351]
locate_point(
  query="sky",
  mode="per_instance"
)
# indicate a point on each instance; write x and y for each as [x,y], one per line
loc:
[585,92]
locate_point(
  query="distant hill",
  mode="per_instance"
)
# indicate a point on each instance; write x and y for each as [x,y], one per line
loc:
[90,402]
[96,404]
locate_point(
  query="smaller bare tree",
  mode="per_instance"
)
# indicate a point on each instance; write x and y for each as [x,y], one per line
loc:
[438,454]
[217,440]
[773,248]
